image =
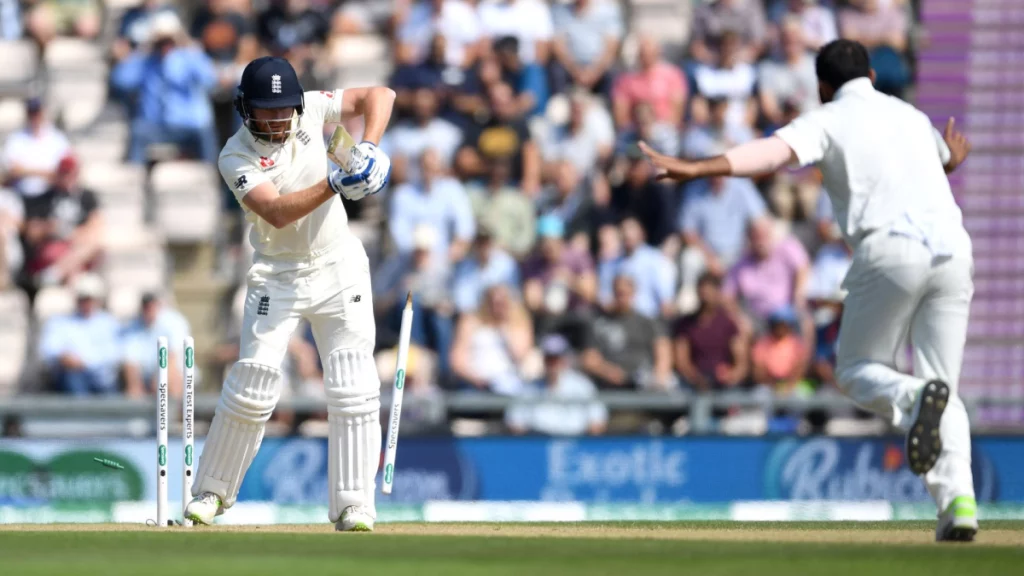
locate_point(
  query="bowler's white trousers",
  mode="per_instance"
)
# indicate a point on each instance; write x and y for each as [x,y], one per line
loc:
[332,291]
[897,288]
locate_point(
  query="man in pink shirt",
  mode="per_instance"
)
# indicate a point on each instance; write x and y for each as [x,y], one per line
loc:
[656,82]
[771,275]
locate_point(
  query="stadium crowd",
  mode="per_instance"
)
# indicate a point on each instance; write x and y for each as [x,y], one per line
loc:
[545,259]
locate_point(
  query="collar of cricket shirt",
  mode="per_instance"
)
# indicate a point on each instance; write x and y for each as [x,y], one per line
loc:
[855,86]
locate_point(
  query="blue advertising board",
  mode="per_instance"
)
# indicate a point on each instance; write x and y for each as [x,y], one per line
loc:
[636,470]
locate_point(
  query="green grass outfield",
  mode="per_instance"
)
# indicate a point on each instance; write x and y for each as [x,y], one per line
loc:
[627,548]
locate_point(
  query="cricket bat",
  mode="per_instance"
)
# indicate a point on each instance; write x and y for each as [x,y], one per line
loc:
[339,149]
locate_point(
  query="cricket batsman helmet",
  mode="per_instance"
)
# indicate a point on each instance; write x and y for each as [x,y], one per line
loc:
[269,83]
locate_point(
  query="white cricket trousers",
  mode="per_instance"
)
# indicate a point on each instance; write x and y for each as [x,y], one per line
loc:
[897,289]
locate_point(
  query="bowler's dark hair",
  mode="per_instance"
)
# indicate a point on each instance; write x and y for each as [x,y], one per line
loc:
[840,61]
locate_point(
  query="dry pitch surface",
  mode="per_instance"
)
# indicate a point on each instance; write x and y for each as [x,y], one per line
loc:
[705,548]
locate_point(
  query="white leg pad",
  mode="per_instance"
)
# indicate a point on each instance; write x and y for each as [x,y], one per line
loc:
[247,400]
[353,415]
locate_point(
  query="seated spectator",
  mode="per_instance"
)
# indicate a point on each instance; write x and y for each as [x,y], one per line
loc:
[80,350]
[49,19]
[710,351]
[779,357]
[714,19]
[771,275]
[729,78]
[433,74]
[228,39]
[133,31]
[502,136]
[559,384]
[138,340]
[12,222]
[882,28]
[498,206]
[660,85]
[586,44]
[407,141]
[354,17]
[64,230]
[651,202]
[818,23]
[588,139]
[528,80]
[31,155]
[580,203]
[438,201]
[418,23]
[559,279]
[425,273]
[788,79]
[653,275]
[626,349]
[170,83]
[662,136]
[295,27]
[485,266]
[714,219]
[471,104]
[491,345]
[717,134]
[528,21]
[828,313]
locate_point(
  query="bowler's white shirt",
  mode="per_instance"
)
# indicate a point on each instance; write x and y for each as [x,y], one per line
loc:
[293,166]
[883,166]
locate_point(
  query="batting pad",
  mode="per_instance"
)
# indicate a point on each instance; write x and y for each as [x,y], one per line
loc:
[248,399]
[353,416]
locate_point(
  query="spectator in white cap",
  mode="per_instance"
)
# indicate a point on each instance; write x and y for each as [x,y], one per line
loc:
[543,406]
[80,349]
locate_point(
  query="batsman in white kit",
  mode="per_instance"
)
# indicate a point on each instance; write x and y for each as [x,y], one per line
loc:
[884,168]
[307,264]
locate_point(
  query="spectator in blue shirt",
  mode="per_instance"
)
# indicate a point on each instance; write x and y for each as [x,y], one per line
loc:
[438,201]
[138,340]
[81,349]
[653,274]
[170,85]
[529,81]
[714,219]
[486,265]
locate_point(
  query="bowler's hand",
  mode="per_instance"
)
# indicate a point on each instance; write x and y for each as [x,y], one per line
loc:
[667,167]
[958,145]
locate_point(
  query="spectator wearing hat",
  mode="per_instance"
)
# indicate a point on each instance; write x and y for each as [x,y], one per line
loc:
[64,229]
[779,357]
[710,351]
[426,272]
[80,350]
[169,83]
[31,154]
[563,402]
[509,215]
[486,265]
[138,340]
[626,349]
[437,201]
[558,278]
[653,274]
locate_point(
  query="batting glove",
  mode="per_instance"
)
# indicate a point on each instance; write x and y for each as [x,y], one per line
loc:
[370,172]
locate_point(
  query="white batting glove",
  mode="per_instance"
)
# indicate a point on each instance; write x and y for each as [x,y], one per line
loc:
[370,170]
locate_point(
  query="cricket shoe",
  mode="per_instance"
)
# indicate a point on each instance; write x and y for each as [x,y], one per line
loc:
[959,523]
[354,519]
[203,508]
[924,443]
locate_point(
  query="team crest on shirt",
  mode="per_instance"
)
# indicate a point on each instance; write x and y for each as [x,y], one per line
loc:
[266,162]
[303,137]
[328,94]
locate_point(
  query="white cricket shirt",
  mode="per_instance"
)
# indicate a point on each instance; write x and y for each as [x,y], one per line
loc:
[293,166]
[883,166]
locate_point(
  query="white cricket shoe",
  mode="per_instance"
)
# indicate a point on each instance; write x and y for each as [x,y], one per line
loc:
[354,519]
[203,508]
[959,523]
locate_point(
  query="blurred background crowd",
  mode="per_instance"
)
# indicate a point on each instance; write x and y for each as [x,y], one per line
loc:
[548,266]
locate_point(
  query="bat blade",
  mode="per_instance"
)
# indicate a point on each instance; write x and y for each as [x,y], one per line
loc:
[340,148]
